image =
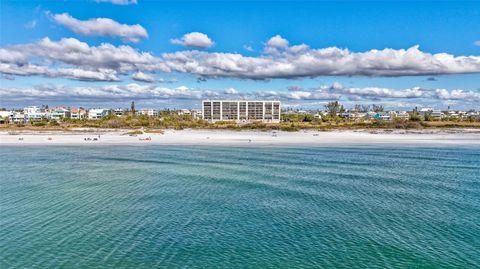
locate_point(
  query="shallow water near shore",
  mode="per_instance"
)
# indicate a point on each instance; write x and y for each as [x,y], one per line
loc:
[267,207]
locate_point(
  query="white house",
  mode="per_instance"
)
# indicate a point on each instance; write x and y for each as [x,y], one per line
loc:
[18,117]
[34,113]
[119,112]
[149,112]
[97,113]
[5,116]
[78,113]
[182,112]
[59,113]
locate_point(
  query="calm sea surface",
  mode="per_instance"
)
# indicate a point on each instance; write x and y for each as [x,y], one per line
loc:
[210,207]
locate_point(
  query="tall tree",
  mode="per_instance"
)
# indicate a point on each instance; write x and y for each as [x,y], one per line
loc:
[333,108]
[377,108]
[133,108]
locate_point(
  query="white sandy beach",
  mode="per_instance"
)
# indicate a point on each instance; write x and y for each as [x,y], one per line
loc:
[239,138]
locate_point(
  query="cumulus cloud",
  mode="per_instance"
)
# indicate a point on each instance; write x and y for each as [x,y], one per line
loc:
[119,2]
[140,76]
[277,42]
[83,62]
[111,92]
[324,93]
[102,27]
[69,73]
[286,62]
[302,61]
[376,92]
[231,91]
[194,40]
[457,95]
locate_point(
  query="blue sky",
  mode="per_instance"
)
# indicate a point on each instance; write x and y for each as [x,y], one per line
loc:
[245,29]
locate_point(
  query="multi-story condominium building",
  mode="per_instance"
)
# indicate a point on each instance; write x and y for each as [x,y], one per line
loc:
[241,110]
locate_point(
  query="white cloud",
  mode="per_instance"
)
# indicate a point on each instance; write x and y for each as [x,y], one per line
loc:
[289,62]
[119,2]
[382,92]
[69,73]
[457,95]
[194,40]
[231,91]
[102,27]
[302,61]
[152,92]
[140,76]
[70,51]
[12,56]
[477,43]
[248,48]
[277,42]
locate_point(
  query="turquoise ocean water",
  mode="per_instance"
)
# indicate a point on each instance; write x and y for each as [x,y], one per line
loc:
[227,207]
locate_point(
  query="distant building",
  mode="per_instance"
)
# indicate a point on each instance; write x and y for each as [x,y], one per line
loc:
[78,113]
[97,113]
[196,113]
[403,115]
[34,113]
[59,113]
[183,112]
[149,112]
[18,117]
[241,110]
[119,112]
[5,116]
[386,116]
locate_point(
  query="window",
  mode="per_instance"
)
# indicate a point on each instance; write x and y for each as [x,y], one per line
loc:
[207,110]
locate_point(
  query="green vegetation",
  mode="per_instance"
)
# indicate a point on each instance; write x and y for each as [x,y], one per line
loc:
[289,122]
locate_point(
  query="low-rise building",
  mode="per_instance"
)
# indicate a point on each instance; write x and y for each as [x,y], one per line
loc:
[18,117]
[119,112]
[78,113]
[5,116]
[97,113]
[34,113]
[59,113]
[183,112]
[149,112]
[403,115]
[196,114]
[386,116]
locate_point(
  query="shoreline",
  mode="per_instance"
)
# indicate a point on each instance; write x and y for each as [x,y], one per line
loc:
[242,137]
